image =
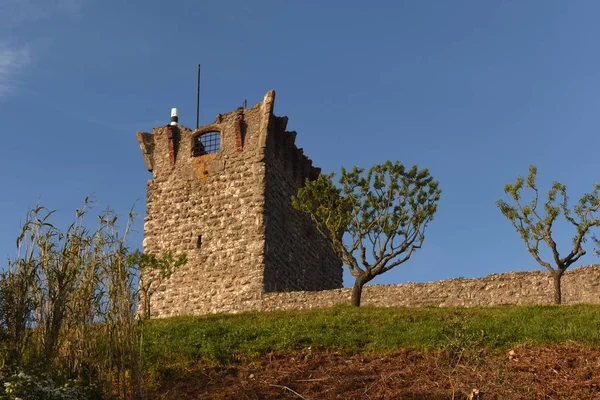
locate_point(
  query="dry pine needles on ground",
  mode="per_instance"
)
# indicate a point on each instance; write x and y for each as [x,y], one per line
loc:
[567,371]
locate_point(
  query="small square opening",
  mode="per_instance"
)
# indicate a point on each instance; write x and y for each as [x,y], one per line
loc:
[207,143]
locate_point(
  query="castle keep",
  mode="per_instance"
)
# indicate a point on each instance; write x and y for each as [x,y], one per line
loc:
[222,194]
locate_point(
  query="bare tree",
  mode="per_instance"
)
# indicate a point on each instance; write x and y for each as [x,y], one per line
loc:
[535,226]
[383,213]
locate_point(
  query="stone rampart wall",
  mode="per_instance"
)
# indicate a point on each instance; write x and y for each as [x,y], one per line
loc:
[579,285]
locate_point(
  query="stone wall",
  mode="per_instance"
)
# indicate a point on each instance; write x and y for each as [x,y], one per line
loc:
[212,209]
[297,257]
[579,285]
[232,218]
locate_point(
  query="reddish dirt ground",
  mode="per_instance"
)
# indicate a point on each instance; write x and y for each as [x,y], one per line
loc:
[527,372]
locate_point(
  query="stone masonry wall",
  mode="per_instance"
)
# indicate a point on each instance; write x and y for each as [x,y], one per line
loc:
[297,257]
[212,208]
[579,285]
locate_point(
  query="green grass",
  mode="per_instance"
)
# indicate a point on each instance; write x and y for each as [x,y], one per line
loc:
[226,338]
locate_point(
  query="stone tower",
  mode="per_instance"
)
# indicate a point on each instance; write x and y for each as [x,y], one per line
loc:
[222,194]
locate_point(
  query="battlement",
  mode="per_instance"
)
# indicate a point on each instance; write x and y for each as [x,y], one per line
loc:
[255,127]
[222,193]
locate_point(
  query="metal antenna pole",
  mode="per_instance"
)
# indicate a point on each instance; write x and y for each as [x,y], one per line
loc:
[198,101]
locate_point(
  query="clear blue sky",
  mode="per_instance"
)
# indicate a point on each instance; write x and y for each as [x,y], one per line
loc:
[473,90]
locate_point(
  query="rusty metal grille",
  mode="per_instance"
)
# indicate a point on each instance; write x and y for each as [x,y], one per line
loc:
[207,143]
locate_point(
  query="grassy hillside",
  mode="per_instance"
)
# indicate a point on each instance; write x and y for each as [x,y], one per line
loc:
[230,338]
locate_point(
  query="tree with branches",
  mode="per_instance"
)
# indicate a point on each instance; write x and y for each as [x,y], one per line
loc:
[535,226]
[382,213]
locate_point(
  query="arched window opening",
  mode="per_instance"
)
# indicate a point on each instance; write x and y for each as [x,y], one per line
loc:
[207,143]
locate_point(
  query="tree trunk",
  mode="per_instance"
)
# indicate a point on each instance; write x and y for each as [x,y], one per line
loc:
[357,291]
[557,293]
